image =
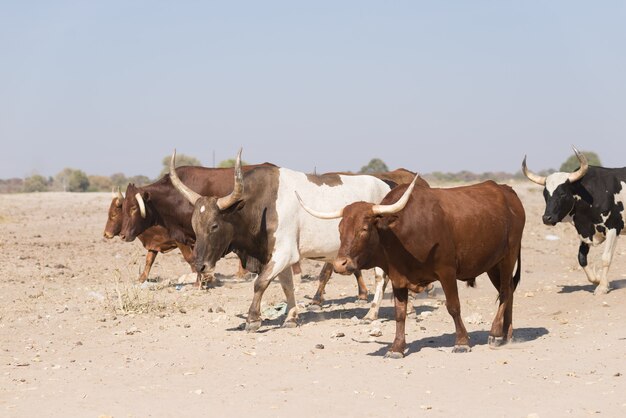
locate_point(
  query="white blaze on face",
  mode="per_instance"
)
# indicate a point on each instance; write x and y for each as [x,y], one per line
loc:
[555,180]
[202,209]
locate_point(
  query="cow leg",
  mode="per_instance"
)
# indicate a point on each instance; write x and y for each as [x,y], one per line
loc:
[381,285]
[362,288]
[269,271]
[607,257]
[451,291]
[241,272]
[400,297]
[150,257]
[286,281]
[583,251]
[501,329]
[297,272]
[327,271]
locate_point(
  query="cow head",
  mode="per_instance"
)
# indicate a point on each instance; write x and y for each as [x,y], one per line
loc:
[359,230]
[135,213]
[212,218]
[114,220]
[558,190]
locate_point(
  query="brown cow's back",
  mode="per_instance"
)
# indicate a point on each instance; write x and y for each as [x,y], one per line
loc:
[469,226]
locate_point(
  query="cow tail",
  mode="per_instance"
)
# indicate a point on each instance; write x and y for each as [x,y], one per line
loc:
[518,272]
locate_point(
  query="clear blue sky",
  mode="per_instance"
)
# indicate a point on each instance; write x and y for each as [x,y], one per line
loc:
[114,86]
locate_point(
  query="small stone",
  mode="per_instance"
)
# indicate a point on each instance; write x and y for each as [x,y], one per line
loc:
[618,374]
[78,343]
[132,331]
[210,310]
[319,346]
[337,334]
[219,309]
[355,320]
[182,310]
[198,391]
[375,332]
[529,295]
[187,326]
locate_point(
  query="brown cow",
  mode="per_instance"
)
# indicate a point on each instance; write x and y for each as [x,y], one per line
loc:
[154,239]
[438,234]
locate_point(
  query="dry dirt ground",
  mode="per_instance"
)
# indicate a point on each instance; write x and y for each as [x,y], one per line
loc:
[79,338]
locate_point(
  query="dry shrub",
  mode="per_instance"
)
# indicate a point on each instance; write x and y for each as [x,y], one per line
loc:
[128,298]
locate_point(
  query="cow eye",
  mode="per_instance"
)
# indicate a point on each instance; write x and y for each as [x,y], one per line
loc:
[214,227]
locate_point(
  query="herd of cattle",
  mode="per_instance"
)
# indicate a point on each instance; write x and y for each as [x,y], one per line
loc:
[412,234]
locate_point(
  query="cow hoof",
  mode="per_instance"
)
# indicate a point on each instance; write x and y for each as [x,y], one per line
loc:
[394,355]
[290,324]
[496,341]
[253,326]
[461,349]
[601,290]
[360,301]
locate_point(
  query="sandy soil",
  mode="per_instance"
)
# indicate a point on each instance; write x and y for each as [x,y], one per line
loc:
[70,346]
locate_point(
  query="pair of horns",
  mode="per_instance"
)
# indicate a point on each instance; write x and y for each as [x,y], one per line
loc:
[223,202]
[575,176]
[377,209]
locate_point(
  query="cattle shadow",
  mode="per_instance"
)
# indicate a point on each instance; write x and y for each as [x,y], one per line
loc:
[328,313]
[446,341]
[589,288]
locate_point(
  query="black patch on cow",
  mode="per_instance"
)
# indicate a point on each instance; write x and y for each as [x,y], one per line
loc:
[583,250]
[596,192]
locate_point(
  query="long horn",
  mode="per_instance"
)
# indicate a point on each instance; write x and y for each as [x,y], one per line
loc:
[227,201]
[119,194]
[399,205]
[180,186]
[532,176]
[584,166]
[142,205]
[321,215]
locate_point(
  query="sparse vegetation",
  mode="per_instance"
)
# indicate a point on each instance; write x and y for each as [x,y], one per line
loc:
[374,166]
[181,160]
[572,162]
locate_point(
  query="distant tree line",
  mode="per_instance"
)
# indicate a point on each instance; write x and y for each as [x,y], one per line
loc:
[73,180]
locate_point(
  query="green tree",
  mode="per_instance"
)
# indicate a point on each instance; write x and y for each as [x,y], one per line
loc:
[375,165]
[100,183]
[572,163]
[230,163]
[71,180]
[181,159]
[139,180]
[119,180]
[35,183]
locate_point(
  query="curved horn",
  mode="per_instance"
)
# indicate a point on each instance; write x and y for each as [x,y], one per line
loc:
[399,205]
[142,205]
[321,215]
[532,176]
[119,194]
[227,201]
[179,185]
[584,166]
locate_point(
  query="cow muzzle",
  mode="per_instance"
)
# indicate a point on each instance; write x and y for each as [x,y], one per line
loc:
[344,265]
[108,235]
[549,220]
[202,267]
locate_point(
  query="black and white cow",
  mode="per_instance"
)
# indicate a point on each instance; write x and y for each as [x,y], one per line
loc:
[592,198]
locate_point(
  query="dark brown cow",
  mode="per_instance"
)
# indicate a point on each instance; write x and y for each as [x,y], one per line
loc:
[440,235]
[155,239]
[160,204]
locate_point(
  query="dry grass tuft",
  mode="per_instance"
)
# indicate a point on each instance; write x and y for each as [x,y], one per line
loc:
[128,299]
